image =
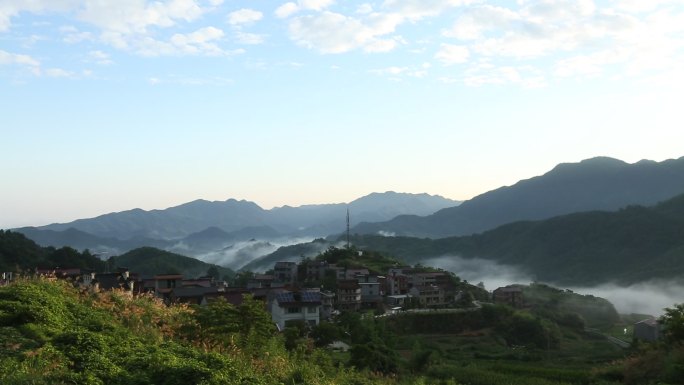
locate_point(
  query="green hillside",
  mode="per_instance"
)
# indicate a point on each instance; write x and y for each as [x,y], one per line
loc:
[631,245]
[51,334]
[18,253]
[151,261]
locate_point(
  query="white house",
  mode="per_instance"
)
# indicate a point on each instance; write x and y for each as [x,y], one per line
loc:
[292,306]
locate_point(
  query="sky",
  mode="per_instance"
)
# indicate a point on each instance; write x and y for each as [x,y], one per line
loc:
[109,105]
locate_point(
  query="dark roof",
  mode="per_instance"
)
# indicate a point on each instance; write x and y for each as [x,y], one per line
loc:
[649,322]
[509,289]
[263,277]
[168,276]
[108,281]
[303,297]
[235,298]
[184,292]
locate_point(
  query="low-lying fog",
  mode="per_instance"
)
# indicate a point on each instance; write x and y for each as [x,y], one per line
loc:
[643,298]
[241,253]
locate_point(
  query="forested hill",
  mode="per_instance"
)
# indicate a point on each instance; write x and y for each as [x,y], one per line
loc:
[593,184]
[631,245]
[20,253]
[150,261]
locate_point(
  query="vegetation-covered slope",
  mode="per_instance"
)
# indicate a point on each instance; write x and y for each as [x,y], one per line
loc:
[51,334]
[19,253]
[151,261]
[631,245]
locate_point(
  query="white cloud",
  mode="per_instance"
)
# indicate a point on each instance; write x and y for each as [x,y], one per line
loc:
[389,70]
[364,8]
[473,23]
[10,9]
[639,6]
[418,9]
[315,5]
[244,16]
[58,73]
[249,38]
[131,16]
[7,58]
[330,32]
[32,65]
[200,41]
[190,81]
[290,8]
[100,57]
[286,10]
[73,38]
[396,72]
[450,54]
[552,11]
[486,73]
[578,38]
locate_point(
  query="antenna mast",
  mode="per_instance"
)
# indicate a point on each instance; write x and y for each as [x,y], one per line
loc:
[347,227]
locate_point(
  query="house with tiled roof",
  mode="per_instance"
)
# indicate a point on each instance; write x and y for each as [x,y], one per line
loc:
[291,306]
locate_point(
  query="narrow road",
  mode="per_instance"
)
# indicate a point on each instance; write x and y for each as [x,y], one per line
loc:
[616,341]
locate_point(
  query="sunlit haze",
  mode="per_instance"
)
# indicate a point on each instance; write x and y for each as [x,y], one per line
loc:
[112,105]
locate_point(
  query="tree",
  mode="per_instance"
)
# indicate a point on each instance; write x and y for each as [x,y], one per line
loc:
[325,333]
[214,273]
[673,324]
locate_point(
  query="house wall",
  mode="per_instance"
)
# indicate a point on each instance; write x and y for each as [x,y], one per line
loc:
[646,332]
[307,313]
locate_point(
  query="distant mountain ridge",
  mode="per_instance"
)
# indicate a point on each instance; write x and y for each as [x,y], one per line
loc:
[234,216]
[229,233]
[594,184]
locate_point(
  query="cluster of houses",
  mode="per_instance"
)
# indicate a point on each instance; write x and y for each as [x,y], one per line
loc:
[291,292]
[298,295]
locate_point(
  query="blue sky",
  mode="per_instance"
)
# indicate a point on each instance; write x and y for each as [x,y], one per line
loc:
[110,105]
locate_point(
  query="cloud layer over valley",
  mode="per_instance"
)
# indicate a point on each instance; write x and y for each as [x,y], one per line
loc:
[649,297]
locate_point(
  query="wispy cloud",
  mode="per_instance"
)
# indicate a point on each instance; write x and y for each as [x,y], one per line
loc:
[330,32]
[244,16]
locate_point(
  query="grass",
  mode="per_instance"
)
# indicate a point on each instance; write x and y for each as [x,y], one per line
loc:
[482,356]
[621,331]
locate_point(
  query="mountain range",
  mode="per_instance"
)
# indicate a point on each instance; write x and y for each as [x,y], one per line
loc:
[594,184]
[229,233]
[249,220]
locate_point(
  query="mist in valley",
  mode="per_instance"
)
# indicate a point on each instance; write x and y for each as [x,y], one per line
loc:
[239,254]
[649,297]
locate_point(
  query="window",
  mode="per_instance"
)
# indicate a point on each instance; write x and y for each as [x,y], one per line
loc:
[292,310]
[312,309]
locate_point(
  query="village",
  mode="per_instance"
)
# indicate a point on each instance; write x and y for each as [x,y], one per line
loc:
[313,291]
[310,291]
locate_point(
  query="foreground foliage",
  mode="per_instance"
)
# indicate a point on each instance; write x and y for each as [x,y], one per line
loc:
[52,334]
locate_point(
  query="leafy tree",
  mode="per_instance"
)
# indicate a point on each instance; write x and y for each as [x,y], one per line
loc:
[375,357]
[241,278]
[214,273]
[325,333]
[673,323]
